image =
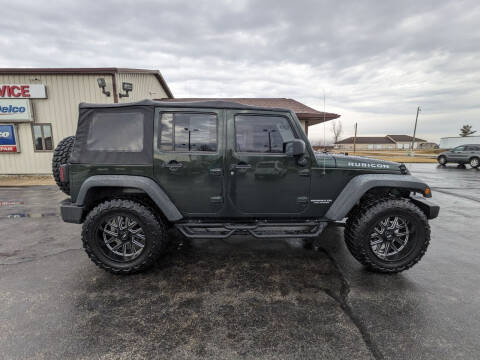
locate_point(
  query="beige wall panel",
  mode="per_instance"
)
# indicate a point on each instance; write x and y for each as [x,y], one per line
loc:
[145,86]
[60,109]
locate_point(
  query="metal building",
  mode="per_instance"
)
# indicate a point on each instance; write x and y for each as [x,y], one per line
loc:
[454,141]
[39,107]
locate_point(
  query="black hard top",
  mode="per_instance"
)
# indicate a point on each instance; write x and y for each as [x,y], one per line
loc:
[215,104]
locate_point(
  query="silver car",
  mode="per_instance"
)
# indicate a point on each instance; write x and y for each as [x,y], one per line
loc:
[464,154]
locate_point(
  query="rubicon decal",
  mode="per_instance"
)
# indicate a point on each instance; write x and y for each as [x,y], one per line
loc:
[369,165]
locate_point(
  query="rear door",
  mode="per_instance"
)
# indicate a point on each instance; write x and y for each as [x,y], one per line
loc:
[262,180]
[189,158]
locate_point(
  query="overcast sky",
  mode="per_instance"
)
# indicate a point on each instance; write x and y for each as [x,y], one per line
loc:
[376,61]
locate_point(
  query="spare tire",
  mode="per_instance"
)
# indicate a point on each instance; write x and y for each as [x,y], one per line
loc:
[61,156]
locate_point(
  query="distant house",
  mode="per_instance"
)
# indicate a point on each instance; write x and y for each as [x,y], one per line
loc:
[307,115]
[388,142]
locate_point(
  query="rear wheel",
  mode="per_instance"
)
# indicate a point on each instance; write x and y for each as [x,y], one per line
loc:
[388,235]
[474,162]
[442,160]
[61,156]
[123,236]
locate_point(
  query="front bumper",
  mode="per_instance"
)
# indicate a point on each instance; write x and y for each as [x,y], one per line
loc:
[70,212]
[430,209]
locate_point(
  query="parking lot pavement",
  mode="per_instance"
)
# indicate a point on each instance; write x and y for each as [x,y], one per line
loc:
[242,297]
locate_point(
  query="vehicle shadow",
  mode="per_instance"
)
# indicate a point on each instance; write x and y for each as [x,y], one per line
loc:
[238,297]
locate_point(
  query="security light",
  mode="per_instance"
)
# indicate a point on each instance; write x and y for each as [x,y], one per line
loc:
[102,84]
[127,87]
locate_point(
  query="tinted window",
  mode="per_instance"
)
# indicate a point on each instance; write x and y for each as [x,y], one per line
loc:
[116,131]
[459,148]
[472,148]
[263,134]
[188,132]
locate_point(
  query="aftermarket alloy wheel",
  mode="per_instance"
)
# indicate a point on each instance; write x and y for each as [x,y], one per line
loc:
[123,236]
[442,160]
[388,235]
[475,162]
[61,156]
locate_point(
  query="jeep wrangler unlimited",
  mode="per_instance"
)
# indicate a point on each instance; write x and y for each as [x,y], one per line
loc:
[213,169]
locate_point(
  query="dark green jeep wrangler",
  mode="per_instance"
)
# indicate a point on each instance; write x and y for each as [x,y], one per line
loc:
[215,169]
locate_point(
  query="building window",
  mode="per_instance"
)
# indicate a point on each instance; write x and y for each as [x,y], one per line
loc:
[185,132]
[42,137]
[262,134]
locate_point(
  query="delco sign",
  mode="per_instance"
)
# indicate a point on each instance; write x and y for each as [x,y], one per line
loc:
[8,139]
[17,110]
[22,91]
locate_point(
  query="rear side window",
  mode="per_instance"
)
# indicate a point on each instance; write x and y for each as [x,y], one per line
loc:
[262,134]
[186,132]
[116,131]
[116,135]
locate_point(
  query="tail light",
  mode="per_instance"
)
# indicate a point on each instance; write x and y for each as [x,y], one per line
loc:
[64,173]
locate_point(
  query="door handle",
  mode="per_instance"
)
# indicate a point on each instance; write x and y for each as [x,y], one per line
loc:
[173,165]
[241,166]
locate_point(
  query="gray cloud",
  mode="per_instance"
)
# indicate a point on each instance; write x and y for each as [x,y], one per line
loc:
[375,60]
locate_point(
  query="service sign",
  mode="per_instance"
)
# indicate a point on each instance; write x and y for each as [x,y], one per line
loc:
[15,110]
[8,139]
[22,91]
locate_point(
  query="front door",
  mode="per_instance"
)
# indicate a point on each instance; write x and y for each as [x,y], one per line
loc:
[457,154]
[262,179]
[189,158]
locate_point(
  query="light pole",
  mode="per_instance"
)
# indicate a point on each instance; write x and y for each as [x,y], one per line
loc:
[414,132]
[355,140]
[189,136]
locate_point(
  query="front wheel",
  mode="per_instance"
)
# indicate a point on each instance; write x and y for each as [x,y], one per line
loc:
[442,160]
[123,236]
[475,162]
[388,235]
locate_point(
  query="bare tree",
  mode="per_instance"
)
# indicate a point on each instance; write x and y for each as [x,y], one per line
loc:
[337,130]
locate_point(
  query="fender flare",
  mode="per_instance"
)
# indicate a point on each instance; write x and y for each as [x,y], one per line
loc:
[360,184]
[150,187]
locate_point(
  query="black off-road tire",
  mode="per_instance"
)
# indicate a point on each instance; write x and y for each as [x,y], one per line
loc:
[442,160]
[362,221]
[61,156]
[154,229]
[474,162]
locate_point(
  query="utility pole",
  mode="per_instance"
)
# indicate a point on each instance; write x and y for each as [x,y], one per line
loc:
[414,132]
[355,139]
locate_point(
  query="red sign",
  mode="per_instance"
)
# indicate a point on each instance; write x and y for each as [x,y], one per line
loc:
[15,91]
[8,148]
[24,91]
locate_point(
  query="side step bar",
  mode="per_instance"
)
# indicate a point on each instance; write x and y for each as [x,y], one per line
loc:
[199,230]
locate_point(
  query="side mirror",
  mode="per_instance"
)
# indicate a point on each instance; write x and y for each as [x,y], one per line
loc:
[295,147]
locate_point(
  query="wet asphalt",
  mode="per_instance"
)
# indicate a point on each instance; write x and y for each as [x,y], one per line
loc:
[242,297]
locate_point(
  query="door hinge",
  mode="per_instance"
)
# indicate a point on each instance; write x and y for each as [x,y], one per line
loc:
[216,172]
